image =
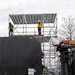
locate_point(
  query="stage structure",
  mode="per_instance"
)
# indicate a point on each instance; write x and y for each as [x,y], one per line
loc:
[26,25]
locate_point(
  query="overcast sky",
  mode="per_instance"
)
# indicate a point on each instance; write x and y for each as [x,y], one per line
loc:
[63,8]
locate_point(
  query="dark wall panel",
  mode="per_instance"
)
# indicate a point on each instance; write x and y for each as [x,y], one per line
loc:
[19,53]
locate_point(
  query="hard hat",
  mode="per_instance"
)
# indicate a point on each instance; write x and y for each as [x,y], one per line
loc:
[39,21]
[9,22]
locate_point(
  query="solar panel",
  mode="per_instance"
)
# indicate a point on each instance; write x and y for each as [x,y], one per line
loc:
[32,18]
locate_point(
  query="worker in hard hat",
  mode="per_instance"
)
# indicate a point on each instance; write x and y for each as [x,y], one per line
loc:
[39,27]
[10,29]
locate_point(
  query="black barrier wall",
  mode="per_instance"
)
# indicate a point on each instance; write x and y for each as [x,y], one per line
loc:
[19,53]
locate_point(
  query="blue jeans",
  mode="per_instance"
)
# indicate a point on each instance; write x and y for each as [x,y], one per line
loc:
[39,31]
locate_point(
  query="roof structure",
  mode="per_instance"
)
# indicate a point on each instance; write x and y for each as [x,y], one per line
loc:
[32,18]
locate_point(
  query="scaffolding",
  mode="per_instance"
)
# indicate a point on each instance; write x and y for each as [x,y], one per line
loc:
[26,25]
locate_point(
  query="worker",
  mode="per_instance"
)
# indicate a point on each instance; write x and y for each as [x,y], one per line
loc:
[39,27]
[10,29]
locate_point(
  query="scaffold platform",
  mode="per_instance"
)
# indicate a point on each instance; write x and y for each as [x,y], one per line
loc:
[26,25]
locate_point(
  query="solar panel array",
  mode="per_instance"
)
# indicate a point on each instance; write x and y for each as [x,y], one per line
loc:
[32,18]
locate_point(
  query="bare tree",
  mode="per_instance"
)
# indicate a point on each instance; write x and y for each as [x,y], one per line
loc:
[68,28]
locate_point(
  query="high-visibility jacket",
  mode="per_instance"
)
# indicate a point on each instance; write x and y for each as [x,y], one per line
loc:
[39,25]
[10,27]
